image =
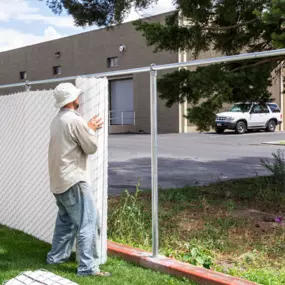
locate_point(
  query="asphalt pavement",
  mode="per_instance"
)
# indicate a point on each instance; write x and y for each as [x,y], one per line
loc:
[187,159]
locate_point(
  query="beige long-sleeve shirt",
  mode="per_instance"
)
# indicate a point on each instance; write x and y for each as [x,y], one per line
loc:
[71,141]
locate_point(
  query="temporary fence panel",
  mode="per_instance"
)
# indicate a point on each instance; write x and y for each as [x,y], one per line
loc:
[26,202]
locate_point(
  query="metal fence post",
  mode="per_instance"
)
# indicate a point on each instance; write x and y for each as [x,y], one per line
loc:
[154,161]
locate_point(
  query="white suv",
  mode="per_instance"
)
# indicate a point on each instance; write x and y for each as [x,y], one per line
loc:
[249,116]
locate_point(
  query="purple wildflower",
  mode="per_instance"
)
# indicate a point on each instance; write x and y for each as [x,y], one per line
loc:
[279,219]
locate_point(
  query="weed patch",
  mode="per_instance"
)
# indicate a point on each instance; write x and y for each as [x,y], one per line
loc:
[235,227]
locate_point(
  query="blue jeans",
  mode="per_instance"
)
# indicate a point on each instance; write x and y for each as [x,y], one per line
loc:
[76,217]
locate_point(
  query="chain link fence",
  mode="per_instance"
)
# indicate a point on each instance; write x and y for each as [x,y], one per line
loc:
[26,202]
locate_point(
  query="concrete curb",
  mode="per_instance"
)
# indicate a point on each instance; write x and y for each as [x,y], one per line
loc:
[274,143]
[171,266]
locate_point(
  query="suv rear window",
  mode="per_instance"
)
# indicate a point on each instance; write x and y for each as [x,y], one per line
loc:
[274,108]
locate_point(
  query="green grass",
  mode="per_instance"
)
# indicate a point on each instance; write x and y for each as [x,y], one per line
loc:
[20,252]
[228,226]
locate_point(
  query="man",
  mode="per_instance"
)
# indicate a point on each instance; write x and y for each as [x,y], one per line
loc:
[71,141]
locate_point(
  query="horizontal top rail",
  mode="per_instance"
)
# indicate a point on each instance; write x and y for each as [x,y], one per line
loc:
[69,78]
[197,62]
[221,59]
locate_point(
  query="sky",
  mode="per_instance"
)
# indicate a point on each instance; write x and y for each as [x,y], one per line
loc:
[27,22]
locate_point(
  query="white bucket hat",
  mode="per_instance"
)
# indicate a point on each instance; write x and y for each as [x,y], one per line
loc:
[65,93]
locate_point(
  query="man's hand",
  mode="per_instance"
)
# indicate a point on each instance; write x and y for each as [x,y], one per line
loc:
[95,123]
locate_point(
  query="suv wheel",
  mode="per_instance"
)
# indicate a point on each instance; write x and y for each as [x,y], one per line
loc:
[271,126]
[219,130]
[240,127]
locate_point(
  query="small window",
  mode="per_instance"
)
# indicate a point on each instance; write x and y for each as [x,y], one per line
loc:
[274,108]
[256,109]
[112,62]
[264,108]
[23,75]
[260,109]
[56,70]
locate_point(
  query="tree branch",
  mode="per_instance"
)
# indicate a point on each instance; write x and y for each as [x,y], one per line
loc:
[280,58]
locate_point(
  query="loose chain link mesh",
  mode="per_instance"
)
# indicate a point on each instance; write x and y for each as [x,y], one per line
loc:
[26,202]
[39,277]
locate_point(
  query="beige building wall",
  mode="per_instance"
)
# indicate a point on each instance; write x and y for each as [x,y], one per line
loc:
[277,93]
[87,53]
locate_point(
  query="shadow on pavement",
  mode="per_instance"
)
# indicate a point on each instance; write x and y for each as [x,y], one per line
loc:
[175,173]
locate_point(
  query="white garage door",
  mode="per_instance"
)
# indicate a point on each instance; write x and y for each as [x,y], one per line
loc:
[122,102]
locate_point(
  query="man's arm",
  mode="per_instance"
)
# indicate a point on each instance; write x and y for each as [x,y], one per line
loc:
[84,134]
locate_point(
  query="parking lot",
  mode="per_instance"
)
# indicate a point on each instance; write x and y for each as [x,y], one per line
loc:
[187,159]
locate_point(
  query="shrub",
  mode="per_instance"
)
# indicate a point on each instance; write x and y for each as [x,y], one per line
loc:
[276,167]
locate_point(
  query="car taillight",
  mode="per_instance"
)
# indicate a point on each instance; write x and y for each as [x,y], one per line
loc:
[281,116]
